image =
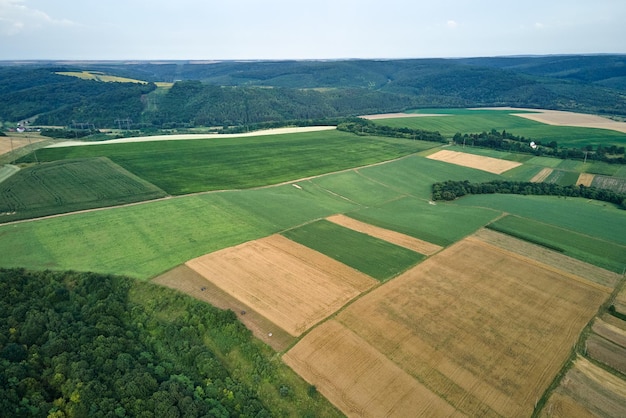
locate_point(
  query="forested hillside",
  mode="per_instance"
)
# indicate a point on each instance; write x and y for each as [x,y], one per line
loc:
[81,344]
[242,93]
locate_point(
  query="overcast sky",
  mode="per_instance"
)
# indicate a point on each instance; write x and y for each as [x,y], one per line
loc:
[319,29]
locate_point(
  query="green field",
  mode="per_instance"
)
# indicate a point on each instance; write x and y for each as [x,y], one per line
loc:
[441,224]
[70,185]
[595,251]
[375,257]
[476,121]
[145,240]
[562,178]
[182,167]
[588,217]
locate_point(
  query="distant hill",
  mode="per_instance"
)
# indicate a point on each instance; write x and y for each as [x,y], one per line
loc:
[246,92]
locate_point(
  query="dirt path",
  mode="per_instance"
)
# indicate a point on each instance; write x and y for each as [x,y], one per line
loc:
[182,137]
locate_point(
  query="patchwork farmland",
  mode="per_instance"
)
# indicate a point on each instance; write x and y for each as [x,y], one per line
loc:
[383,301]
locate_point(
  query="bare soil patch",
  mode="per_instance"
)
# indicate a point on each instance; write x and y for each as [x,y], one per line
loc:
[585,179]
[551,259]
[277,131]
[358,379]
[607,352]
[192,283]
[394,237]
[541,176]
[489,164]
[562,118]
[288,283]
[485,329]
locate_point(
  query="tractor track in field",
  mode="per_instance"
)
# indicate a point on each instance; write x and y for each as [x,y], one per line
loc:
[170,197]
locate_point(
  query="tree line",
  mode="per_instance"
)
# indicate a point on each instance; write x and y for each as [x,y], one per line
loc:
[362,126]
[452,189]
[83,344]
[506,141]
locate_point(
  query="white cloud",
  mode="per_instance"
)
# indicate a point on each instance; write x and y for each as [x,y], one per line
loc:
[16,17]
[452,24]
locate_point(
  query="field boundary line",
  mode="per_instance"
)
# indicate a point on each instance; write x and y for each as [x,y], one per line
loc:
[57,215]
[544,266]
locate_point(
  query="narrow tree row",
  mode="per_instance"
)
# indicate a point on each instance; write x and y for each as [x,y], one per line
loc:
[505,141]
[450,190]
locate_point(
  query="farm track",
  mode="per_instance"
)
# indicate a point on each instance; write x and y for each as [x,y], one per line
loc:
[206,193]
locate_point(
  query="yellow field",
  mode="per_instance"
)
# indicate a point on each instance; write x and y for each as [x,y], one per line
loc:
[484,329]
[585,179]
[99,76]
[358,379]
[542,175]
[489,164]
[14,141]
[186,280]
[397,238]
[289,284]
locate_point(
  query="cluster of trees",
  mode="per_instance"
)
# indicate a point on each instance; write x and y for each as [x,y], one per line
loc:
[508,142]
[362,126]
[451,189]
[78,344]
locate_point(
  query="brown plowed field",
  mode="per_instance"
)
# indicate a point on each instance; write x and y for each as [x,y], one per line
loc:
[288,283]
[484,329]
[358,379]
[541,176]
[394,237]
[587,390]
[192,283]
[479,162]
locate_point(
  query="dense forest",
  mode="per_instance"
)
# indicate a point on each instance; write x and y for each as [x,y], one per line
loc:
[237,93]
[83,344]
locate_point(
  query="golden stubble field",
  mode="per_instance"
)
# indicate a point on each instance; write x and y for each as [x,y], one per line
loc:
[289,284]
[479,162]
[482,331]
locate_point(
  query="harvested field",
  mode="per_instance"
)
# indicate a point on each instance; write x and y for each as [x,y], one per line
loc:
[192,283]
[610,332]
[489,164]
[542,175]
[358,379]
[288,283]
[585,179]
[397,238]
[562,118]
[485,329]
[16,141]
[606,352]
[587,390]
[276,131]
[554,259]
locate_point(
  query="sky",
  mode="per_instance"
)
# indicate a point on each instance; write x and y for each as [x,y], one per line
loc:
[319,29]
